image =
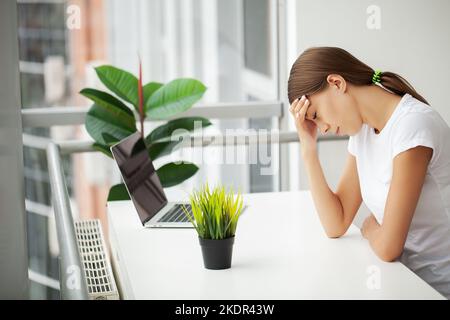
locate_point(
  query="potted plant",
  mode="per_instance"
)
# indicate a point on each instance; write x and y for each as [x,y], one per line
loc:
[215,214]
[113,117]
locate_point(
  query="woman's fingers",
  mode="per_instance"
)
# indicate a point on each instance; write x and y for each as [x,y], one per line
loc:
[299,108]
[303,110]
[299,105]
[294,105]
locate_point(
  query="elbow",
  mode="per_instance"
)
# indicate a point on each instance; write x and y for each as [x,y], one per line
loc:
[334,234]
[388,258]
[389,254]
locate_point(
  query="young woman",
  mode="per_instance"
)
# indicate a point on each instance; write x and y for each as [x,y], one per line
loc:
[398,162]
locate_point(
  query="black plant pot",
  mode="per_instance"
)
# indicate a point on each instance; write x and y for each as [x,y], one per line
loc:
[217,254]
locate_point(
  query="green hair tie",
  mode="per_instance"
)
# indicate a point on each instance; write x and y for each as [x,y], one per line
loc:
[376,78]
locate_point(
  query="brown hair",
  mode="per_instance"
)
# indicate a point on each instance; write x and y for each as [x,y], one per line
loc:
[309,73]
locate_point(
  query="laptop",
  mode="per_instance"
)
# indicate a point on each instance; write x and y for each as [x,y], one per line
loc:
[144,187]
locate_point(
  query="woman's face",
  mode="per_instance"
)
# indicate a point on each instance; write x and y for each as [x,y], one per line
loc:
[334,110]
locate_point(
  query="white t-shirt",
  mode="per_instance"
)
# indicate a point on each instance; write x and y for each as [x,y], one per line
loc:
[413,123]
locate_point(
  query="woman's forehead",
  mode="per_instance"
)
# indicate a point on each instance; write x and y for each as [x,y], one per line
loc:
[314,102]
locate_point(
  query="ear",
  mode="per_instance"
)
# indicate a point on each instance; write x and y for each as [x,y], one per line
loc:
[337,82]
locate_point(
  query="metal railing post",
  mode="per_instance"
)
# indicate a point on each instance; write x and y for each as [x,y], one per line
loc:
[72,278]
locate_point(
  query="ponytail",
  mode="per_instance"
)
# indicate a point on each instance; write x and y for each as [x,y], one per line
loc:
[398,85]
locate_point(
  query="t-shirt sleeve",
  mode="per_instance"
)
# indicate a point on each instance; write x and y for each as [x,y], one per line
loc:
[351,145]
[415,129]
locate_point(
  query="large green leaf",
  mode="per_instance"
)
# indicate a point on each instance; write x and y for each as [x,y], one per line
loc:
[109,139]
[165,131]
[103,98]
[118,192]
[121,82]
[103,149]
[172,174]
[106,122]
[159,149]
[149,89]
[174,97]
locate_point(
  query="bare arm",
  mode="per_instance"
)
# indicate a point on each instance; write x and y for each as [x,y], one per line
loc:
[336,210]
[409,171]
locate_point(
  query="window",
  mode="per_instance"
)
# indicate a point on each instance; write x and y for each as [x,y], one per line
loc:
[257,36]
[230,45]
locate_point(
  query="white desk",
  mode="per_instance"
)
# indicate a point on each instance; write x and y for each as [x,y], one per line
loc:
[280,252]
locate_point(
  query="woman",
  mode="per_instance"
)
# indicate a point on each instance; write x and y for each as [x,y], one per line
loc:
[398,162]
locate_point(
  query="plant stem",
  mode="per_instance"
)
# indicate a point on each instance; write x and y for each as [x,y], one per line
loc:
[141,99]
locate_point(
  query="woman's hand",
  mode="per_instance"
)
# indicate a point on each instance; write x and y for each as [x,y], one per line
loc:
[368,225]
[307,129]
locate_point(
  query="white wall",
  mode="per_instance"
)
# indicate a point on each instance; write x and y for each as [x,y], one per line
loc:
[413,41]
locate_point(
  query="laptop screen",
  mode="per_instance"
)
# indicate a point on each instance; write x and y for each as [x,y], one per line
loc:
[139,176]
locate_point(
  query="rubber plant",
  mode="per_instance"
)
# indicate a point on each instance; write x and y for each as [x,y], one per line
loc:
[112,118]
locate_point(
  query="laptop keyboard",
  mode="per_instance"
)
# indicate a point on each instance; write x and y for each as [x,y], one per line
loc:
[177,214]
